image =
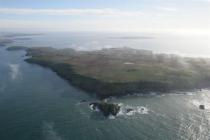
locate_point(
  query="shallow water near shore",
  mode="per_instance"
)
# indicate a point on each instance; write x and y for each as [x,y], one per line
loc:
[37,104]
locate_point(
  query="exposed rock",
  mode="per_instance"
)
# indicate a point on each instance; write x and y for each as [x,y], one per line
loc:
[83,101]
[129,110]
[106,108]
[201,107]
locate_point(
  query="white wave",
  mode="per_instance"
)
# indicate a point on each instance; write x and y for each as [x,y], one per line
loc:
[49,132]
[94,108]
[14,70]
[142,110]
[197,103]
[91,107]
[133,110]
[153,93]
[205,100]
[190,93]
[111,117]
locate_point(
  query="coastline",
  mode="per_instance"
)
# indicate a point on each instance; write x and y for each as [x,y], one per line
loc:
[95,87]
[102,89]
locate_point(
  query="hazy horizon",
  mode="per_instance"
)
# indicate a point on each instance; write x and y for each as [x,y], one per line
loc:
[186,17]
[169,43]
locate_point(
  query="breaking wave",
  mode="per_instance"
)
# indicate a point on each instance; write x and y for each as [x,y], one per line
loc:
[94,108]
[126,110]
[49,132]
[14,70]
[132,110]
[203,101]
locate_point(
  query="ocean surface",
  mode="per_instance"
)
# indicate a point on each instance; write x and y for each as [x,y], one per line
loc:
[36,104]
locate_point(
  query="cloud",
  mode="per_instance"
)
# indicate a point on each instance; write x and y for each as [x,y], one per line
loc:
[14,70]
[71,12]
[163,17]
[204,0]
[168,9]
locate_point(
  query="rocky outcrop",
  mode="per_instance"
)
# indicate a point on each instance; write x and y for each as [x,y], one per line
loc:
[202,107]
[106,108]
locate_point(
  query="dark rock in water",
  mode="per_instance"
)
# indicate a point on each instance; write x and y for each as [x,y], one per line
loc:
[106,108]
[201,107]
[129,110]
[83,101]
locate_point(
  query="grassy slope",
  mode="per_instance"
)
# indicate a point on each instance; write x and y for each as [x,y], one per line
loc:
[115,72]
[16,48]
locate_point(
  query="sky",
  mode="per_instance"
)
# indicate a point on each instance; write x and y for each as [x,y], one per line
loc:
[187,16]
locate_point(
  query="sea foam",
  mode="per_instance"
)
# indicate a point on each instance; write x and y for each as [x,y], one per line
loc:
[14,70]
[134,110]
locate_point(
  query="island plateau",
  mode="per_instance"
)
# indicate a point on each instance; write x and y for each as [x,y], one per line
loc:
[122,71]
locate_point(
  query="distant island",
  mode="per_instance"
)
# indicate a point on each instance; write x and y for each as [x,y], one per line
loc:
[5,41]
[122,71]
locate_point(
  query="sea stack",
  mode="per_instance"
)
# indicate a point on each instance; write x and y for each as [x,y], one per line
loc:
[106,108]
[202,107]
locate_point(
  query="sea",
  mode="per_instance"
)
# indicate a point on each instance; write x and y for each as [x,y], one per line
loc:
[36,104]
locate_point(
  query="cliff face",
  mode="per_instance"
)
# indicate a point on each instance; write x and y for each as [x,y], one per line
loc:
[117,72]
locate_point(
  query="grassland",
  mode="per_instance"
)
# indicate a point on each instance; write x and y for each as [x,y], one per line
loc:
[16,48]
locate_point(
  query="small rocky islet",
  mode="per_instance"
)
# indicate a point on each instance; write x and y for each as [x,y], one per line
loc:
[202,107]
[107,109]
